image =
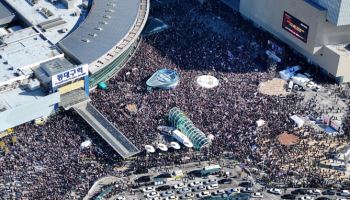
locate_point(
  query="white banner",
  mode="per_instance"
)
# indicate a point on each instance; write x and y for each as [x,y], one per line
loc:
[70,75]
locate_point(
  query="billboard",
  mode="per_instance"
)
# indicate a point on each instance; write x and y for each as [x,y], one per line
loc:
[295,27]
[69,75]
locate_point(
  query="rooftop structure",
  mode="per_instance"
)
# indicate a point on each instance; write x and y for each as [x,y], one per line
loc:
[317,29]
[46,70]
[107,130]
[179,120]
[22,50]
[164,79]
[54,18]
[7,15]
[23,104]
[42,77]
[338,11]
[108,30]
[105,26]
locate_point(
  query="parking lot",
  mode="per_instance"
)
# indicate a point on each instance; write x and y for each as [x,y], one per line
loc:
[229,183]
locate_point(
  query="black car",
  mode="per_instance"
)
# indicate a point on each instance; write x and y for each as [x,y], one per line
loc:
[143,179]
[225,181]
[141,171]
[323,198]
[163,188]
[289,196]
[329,192]
[299,191]
[164,175]
[246,184]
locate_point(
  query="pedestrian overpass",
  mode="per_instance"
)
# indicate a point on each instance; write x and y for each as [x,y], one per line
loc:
[106,129]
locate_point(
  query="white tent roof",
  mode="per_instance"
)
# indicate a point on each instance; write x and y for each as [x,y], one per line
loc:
[175,145]
[162,147]
[207,81]
[150,149]
[298,120]
[85,144]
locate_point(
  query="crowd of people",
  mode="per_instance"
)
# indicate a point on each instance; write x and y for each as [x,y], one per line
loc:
[48,163]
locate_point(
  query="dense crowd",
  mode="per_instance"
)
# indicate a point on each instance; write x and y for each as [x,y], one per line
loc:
[48,163]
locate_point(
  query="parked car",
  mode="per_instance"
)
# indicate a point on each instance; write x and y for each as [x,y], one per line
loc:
[148,189]
[189,195]
[195,184]
[314,192]
[143,179]
[167,193]
[306,198]
[204,194]
[257,195]
[225,181]
[155,198]
[247,190]
[179,186]
[152,194]
[172,198]
[213,186]
[199,188]
[329,192]
[121,198]
[344,193]
[289,196]
[163,188]
[232,191]
[275,191]
[246,184]
[210,182]
[323,198]
[218,192]
[184,190]
[299,191]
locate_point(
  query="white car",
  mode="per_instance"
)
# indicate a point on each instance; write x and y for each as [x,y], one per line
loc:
[121,198]
[213,186]
[275,191]
[152,194]
[306,198]
[344,193]
[218,192]
[204,194]
[247,190]
[184,190]
[167,193]
[195,184]
[179,186]
[155,198]
[172,198]
[148,189]
[210,181]
[257,195]
[315,192]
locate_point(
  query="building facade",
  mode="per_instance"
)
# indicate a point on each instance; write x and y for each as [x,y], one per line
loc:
[318,29]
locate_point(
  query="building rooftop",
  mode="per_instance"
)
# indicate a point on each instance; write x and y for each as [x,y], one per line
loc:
[18,96]
[107,23]
[46,70]
[339,49]
[6,13]
[58,16]
[22,50]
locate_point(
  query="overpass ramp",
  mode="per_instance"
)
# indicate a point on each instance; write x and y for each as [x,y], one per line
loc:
[106,129]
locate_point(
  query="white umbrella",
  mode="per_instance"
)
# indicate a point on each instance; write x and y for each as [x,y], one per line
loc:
[162,147]
[85,144]
[150,149]
[188,144]
[175,145]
